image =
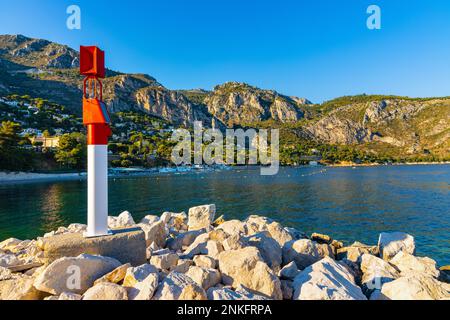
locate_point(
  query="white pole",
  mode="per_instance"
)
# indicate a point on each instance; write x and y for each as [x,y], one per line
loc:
[97,191]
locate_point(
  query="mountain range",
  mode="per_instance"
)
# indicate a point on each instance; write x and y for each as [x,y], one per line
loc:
[402,125]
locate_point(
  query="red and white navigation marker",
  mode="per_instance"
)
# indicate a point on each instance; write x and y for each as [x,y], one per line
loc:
[97,121]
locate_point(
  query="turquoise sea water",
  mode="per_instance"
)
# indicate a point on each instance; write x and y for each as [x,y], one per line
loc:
[348,204]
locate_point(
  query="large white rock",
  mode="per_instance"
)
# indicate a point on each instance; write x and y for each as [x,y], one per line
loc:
[205,262]
[183,240]
[246,267]
[178,286]
[155,233]
[182,266]
[106,291]
[74,275]
[415,287]
[233,227]
[204,277]
[149,219]
[125,219]
[392,243]
[303,252]
[234,242]
[19,288]
[165,261]
[204,245]
[376,272]
[138,274]
[145,289]
[410,265]
[201,217]
[326,280]
[256,224]
[269,248]
[175,221]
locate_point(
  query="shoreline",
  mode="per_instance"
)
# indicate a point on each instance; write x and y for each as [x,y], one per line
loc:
[199,256]
[24,177]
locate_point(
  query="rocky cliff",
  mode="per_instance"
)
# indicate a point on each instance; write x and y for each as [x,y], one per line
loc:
[411,125]
[48,70]
[237,103]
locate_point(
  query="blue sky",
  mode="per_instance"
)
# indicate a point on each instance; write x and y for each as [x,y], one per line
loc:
[317,49]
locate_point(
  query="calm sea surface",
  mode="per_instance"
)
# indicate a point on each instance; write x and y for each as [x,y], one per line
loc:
[348,204]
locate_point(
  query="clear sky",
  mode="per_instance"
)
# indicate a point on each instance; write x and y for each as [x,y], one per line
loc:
[318,49]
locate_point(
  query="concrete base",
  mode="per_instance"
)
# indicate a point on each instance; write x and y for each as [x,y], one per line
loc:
[125,245]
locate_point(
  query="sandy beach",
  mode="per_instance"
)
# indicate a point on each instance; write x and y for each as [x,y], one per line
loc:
[26,177]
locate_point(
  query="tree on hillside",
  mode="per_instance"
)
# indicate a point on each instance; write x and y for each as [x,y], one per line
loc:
[12,156]
[71,153]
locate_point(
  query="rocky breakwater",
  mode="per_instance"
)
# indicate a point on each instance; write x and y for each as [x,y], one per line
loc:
[195,256]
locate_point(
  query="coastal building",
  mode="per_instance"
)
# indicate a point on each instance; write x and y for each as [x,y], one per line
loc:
[46,142]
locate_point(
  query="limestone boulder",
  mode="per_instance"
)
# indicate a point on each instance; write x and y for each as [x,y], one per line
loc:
[205,262]
[178,286]
[19,288]
[245,267]
[234,242]
[183,265]
[183,240]
[256,224]
[415,287]
[155,233]
[355,251]
[321,238]
[410,265]
[165,261]
[149,219]
[201,217]
[326,280]
[203,245]
[289,271]
[74,275]
[303,252]
[138,274]
[175,221]
[124,220]
[106,291]
[204,277]
[124,245]
[269,248]
[144,289]
[392,243]
[115,276]
[233,227]
[376,272]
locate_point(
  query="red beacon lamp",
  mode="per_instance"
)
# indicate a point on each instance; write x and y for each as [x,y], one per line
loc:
[97,121]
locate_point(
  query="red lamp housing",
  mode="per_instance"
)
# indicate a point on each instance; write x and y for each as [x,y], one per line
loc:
[92,62]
